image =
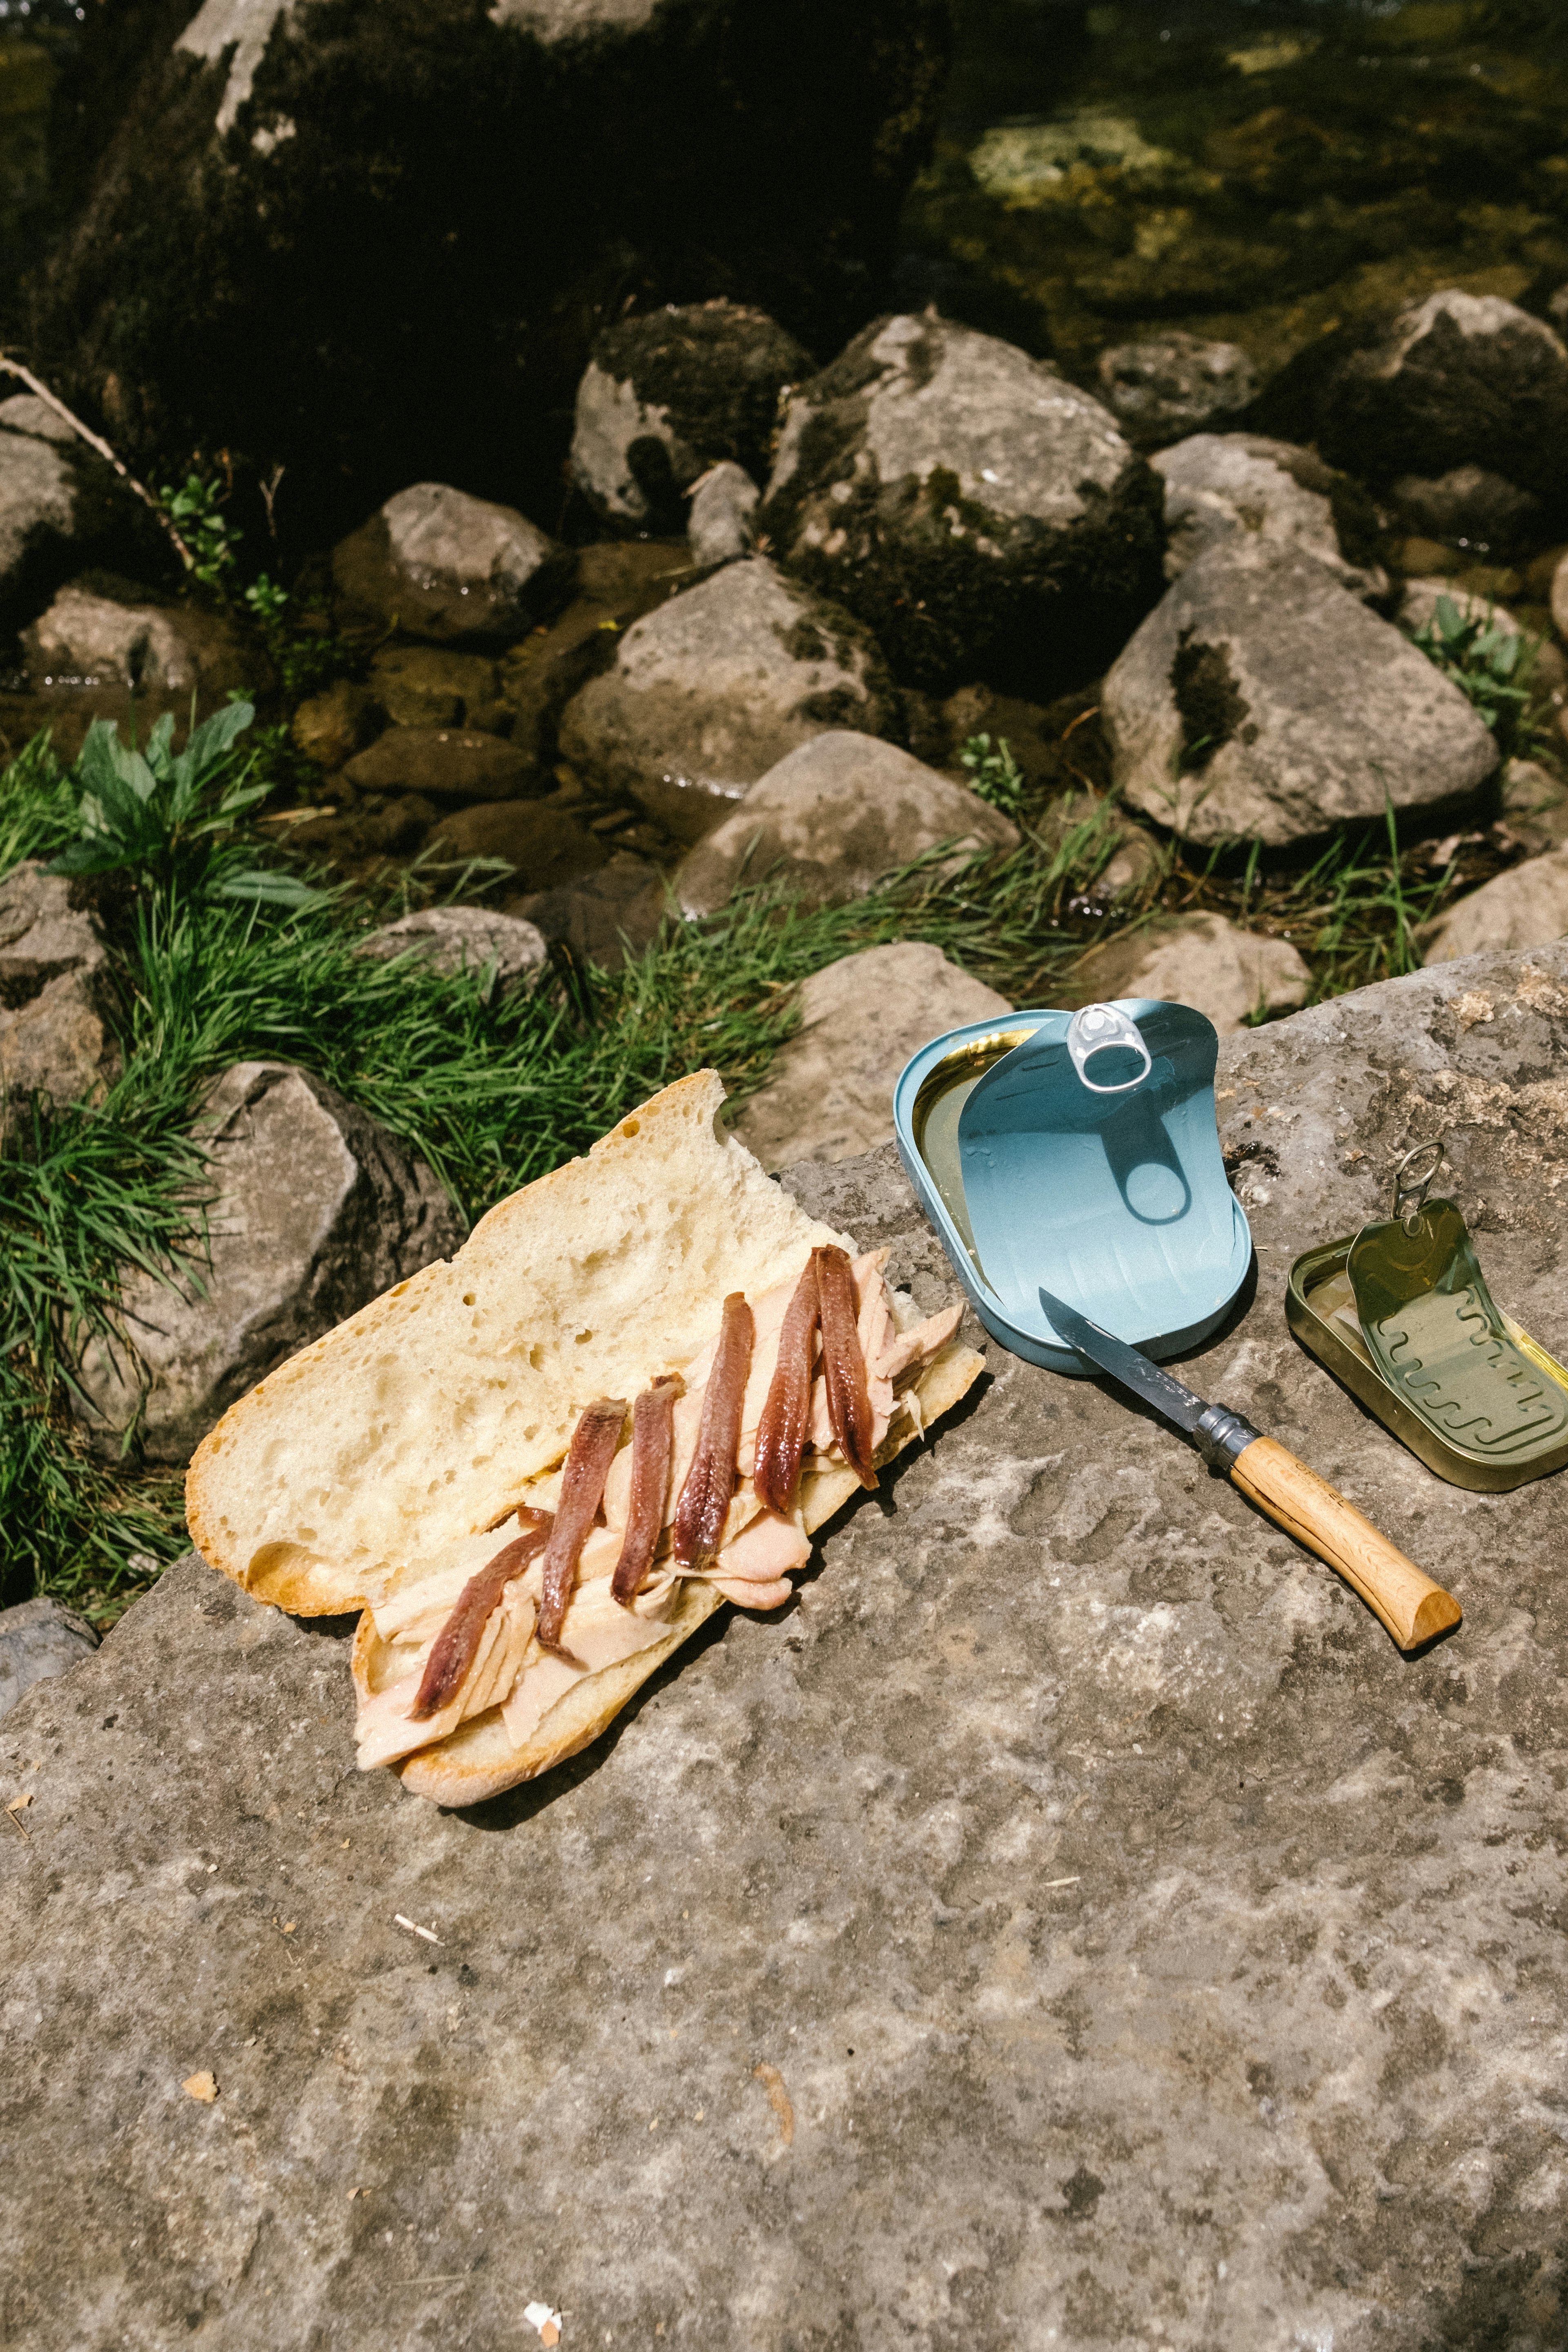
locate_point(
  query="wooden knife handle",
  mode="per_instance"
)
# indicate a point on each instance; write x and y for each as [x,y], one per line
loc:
[1411,1606]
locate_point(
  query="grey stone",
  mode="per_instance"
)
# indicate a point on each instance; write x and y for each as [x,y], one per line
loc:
[451,568]
[709,691]
[1560,597]
[316,1211]
[604,915]
[983,516]
[545,845]
[1219,484]
[449,938]
[1199,960]
[668,395]
[722,520]
[1100,1895]
[1419,599]
[56,993]
[829,1090]
[131,643]
[61,509]
[39,1641]
[1470,508]
[1534,806]
[833,817]
[1263,701]
[432,686]
[1455,380]
[457,766]
[1173,383]
[1525,907]
[420,223]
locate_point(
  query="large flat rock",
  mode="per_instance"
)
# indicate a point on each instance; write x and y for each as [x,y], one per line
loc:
[1073,1925]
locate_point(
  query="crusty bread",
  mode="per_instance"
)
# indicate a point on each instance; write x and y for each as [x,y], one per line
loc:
[368,1459]
[423,1416]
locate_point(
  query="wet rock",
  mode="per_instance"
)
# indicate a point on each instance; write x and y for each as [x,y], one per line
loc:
[833,817]
[56,992]
[356,842]
[829,1090]
[1560,598]
[61,509]
[1175,384]
[447,764]
[1534,806]
[439,564]
[1458,380]
[1525,907]
[1263,701]
[1058,1707]
[1219,484]
[1470,508]
[604,914]
[667,395]
[318,1211]
[543,845]
[616,584]
[709,691]
[450,938]
[420,223]
[111,636]
[39,1641]
[1204,960]
[430,686]
[979,513]
[331,728]
[722,525]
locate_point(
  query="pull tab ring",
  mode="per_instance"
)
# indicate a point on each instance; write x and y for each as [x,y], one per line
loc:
[1095,1029]
[1410,1191]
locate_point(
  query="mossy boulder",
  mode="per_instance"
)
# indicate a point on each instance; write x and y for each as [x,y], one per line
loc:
[982,515]
[365,237]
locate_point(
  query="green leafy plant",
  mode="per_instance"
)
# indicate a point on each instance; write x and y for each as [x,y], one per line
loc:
[175,819]
[1490,664]
[195,509]
[993,773]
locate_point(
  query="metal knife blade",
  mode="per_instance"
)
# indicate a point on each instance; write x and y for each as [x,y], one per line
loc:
[1128,1365]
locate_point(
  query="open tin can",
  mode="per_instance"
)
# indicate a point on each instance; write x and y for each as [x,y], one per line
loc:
[1401,1314]
[1079,1152]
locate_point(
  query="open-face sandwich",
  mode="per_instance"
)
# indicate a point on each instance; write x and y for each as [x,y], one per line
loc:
[636,1392]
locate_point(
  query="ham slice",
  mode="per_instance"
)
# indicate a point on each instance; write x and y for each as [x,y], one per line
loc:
[598,1632]
[457,1645]
[385,1727]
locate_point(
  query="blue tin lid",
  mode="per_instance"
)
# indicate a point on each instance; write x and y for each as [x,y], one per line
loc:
[1079,1152]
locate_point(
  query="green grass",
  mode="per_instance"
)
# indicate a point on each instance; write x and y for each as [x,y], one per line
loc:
[493,1091]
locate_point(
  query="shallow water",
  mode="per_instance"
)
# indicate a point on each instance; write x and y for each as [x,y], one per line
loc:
[1258,172]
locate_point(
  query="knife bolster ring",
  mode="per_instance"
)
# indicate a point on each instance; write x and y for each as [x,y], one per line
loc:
[1222,1437]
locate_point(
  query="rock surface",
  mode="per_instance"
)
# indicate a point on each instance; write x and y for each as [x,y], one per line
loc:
[107,648]
[617,907]
[432,686]
[709,691]
[39,1641]
[421,221]
[1220,484]
[1263,701]
[317,1211]
[1525,907]
[1456,380]
[983,516]
[829,1090]
[833,817]
[721,524]
[456,766]
[1198,960]
[1469,508]
[544,845]
[1074,1893]
[1175,384]
[449,938]
[439,564]
[668,395]
[61,509]
[329,728]
[56,992]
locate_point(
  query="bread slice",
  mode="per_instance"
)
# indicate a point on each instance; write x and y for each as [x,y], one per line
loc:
[422,1417]
[361,1464]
